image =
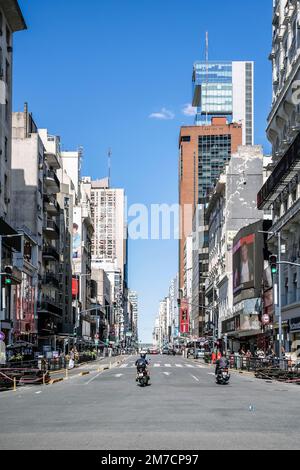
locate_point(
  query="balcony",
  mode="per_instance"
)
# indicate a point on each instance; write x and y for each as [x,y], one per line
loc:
[284,172]
[53,160]
[50,307]
[51,182]
[292,215]
[51,230]
[50,279]
[50,253]
[51,205]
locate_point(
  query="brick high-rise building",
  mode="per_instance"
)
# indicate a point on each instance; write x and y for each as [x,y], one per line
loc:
[204,150]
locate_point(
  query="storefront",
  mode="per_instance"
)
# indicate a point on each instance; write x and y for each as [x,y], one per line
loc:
[294,333]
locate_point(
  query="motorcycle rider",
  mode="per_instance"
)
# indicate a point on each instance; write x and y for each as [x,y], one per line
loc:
[142,363]
[221,364]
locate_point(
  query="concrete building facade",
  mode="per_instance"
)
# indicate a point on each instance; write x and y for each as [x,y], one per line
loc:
[281,192]
[232,206]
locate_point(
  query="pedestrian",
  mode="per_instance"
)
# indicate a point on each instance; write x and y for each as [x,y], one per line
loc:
[72,359]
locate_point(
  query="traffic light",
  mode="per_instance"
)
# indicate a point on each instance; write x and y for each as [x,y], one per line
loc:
[273,264]
[8,270]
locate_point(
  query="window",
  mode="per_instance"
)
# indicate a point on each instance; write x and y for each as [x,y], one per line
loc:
[7,73]
[186,138]
[8,36]
[6,149]
[1,64]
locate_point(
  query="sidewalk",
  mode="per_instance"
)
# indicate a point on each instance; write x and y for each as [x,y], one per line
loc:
[87,368]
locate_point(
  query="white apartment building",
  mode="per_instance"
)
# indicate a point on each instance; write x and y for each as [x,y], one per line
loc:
[232,206]
[11,20]
[108,217]
[133,299]
[281,192]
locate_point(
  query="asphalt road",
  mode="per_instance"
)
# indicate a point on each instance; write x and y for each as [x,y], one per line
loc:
[182,409]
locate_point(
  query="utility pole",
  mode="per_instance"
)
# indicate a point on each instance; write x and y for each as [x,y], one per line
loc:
[279,295]
[206,60]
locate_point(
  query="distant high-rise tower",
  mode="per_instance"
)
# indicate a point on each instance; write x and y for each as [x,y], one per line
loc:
[225,89]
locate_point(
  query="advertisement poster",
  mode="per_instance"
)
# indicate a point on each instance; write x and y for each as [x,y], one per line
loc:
[77,236]
[243,264]
[184,317]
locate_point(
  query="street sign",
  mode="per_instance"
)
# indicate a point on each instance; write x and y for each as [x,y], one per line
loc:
[2,336]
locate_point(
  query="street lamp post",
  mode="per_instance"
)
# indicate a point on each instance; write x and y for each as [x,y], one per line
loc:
[1,273]
[279,288]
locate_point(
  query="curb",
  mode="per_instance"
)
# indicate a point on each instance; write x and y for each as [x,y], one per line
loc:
[82,374]
[55,381]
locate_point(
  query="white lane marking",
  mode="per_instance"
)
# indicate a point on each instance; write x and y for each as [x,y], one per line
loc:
[168,366]
[200,367]
[93,378]
[38,393]
[118,376]
[123,366]
[156,365]
[195,378]
[179,365]
[167,373]
[190,366]
[211,373]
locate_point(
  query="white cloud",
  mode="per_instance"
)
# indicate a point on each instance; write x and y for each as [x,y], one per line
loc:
[189,110]
[164,114]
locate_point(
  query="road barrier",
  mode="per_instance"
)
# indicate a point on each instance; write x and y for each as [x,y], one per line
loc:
[252,364]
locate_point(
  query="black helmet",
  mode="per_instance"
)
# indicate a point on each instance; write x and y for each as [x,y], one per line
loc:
[143,355]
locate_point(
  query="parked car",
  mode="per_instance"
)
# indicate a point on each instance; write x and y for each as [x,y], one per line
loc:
[165,351]
[199,353]
[154,352]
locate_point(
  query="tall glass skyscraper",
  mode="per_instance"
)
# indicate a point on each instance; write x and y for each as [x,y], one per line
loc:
[225,89]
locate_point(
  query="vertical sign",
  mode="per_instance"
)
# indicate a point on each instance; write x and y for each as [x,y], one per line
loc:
[184,317]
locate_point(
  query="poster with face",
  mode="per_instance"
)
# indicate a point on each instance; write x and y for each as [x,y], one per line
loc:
[243,264]
[76,241]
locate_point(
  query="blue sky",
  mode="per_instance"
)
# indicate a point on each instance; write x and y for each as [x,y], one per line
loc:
[93,71]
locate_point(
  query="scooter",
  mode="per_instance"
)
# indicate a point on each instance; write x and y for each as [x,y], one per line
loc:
[143,377]
[223,377]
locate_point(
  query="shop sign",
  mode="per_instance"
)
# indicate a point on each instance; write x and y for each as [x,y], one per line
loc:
[295,325]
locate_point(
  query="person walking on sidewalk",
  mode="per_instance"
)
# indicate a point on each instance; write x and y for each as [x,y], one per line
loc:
[72,359]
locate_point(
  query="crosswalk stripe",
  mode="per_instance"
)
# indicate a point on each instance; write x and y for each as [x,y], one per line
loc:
[179,365]
[168,365]
[190,366]
[156,365]
[123,366]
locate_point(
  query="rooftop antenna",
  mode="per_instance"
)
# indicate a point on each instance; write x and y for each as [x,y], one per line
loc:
[109,155]
[206,60]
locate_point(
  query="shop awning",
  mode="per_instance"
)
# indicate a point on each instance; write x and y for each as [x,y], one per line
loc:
[15,242]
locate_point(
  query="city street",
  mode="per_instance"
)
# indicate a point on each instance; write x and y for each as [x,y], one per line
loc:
[182,409]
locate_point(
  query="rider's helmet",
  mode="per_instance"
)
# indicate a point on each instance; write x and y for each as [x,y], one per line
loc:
[143,355]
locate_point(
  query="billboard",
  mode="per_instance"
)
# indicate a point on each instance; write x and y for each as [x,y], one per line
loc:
[244,263]
[75,288]
[184,317]
[77,235]
[248,256]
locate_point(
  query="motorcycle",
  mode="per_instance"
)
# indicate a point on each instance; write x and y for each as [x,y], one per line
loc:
[223,377]
[143,377]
